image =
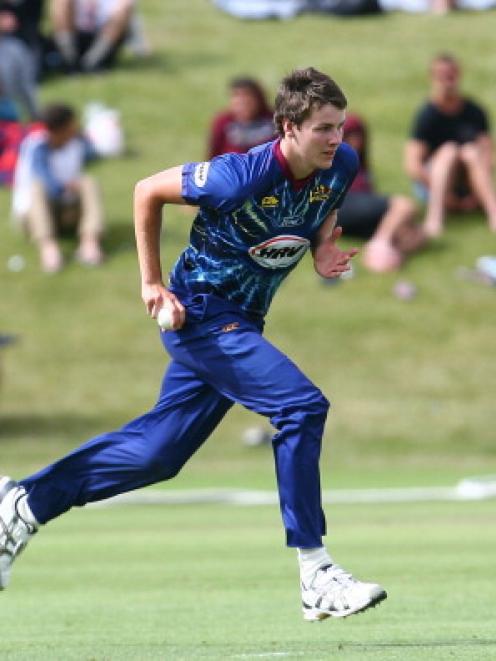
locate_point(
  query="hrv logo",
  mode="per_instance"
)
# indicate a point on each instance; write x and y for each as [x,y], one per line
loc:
[279,252]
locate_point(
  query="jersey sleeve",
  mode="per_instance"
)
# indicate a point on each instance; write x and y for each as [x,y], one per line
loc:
[221,184]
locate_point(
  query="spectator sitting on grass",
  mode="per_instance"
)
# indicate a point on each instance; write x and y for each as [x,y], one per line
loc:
[246,123]
[51,193]
[89,33]
[450,153]
[386,221]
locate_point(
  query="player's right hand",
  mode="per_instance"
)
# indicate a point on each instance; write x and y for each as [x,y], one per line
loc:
[156,296]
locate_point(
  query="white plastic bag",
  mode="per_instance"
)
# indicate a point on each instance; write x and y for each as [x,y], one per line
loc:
[103,128]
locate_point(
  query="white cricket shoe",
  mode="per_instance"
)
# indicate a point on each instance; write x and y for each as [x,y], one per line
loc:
[333,592]
[14,531]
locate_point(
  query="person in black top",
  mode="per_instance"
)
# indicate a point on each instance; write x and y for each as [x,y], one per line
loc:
[449,153]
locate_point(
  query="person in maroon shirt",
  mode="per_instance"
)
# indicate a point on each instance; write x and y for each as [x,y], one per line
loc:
[386,221]
[246,123]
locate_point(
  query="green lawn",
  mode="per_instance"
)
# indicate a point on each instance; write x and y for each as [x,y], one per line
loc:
[192,582]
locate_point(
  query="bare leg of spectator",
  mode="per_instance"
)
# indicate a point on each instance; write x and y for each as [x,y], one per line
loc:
[109,36]
[441,170]
[42,230]
[442,6]
[481,180]
[62,17]
[89,251]
[137,41]
[382,253]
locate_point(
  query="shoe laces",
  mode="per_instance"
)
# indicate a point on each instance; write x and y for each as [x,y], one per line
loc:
[332,577]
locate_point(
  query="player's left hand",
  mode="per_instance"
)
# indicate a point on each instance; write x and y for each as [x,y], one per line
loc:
[329,260]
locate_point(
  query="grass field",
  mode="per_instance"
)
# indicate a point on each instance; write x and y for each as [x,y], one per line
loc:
[215,582]
[412,384]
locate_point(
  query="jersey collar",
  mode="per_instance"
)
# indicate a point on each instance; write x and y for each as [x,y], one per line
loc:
[297,184]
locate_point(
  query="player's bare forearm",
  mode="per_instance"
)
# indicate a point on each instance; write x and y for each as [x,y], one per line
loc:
[150,195]
[328,259]
[147,225]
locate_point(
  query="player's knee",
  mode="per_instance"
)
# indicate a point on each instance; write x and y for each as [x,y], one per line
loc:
[310,406]
[315,407]
[323,404]
[159,467]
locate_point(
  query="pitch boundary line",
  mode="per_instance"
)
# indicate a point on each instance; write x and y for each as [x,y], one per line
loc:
[468,489]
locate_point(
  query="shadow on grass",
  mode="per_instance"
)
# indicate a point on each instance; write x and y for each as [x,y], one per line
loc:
[18,427]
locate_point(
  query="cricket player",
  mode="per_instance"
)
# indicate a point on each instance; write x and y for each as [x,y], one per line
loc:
[258,215]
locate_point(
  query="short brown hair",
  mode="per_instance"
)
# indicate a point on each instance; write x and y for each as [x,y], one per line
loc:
[57,116]
[302,91]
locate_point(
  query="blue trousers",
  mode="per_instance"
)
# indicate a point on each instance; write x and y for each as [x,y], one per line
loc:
[218,360]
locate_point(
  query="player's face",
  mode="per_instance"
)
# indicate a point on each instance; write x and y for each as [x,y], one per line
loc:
[318,137]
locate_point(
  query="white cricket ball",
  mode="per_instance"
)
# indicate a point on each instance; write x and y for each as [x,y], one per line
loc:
[164,319]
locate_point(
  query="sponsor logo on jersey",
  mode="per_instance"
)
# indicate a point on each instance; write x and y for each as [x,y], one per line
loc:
[201,173]
[279,252]
[270,201]
[320,193]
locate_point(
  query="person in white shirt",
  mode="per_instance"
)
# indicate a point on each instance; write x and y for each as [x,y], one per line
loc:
[52,195]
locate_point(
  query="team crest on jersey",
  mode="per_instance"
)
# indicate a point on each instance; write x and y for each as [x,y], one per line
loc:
[320,193]
[201,173]
[270,201]
[280,251]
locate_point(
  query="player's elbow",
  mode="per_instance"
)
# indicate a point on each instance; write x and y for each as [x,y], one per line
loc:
[142,190]
[146,200]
